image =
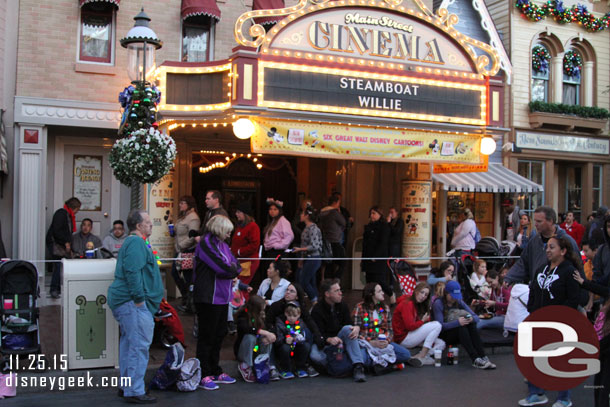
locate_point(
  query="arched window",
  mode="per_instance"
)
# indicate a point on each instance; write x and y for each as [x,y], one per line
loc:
[541,58]
[572,73]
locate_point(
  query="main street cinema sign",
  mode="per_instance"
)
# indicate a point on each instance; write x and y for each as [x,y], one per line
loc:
[342,62]
[375,58]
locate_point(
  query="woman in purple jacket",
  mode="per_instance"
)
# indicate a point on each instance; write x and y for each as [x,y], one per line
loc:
[215,268]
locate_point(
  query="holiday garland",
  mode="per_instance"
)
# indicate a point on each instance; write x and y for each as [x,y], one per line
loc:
[142,154]
[572,64]
[540,59]
[576,14]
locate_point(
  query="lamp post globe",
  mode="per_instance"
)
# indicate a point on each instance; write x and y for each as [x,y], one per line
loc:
[243,128]
[488,145]
[141,43]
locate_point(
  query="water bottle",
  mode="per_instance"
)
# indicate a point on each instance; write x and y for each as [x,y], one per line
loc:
[450,355]
[340,351]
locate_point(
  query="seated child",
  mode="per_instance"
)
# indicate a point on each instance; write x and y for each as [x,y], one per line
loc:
[237,301]
[477,279]
[252,339]
[293,342]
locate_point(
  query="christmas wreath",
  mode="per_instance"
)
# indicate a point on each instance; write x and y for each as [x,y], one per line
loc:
[572,64]
[540,59]
[144,156]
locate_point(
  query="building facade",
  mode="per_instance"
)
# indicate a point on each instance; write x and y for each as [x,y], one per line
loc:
[558,138]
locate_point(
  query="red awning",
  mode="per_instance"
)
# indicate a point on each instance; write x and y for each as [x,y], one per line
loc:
[191,8]
[267,5]
[115,2]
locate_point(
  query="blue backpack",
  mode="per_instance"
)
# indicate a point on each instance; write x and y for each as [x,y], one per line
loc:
[477,236]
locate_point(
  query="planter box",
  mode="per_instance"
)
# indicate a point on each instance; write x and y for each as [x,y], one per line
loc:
[567,122]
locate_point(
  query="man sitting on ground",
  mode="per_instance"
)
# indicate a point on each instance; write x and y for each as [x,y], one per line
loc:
[333,318]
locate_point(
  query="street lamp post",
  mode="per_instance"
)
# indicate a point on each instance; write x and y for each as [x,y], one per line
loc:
[141,43]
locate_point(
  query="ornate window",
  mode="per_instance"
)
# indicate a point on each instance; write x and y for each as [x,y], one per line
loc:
[197,34]
[97,26]
[540,73]
[572,73]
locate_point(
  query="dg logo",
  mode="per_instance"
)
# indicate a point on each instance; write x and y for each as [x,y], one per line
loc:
[556,348]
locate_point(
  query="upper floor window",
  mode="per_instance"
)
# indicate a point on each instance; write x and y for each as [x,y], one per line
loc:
[97,32]
[572,68]
[196,34]
[540,73]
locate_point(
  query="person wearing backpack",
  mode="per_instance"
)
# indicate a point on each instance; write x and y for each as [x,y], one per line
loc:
[464,235]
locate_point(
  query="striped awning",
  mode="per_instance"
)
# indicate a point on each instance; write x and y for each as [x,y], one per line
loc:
[497,179]
[192,8]
[267,5]
[83,2]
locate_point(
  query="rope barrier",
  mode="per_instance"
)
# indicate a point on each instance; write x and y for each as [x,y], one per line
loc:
[169,259]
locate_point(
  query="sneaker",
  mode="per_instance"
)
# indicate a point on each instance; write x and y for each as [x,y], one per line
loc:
[533,400]
[415,362]
[311,372]
[246,372]
[232,328]
[359,376]
[274,375]
[489,364]
[427,360]
[301,374]
[224,379]
[287,375]
[562,403]
[207,383]
[480,363]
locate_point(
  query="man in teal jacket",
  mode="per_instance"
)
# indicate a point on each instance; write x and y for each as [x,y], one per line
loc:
[134,297]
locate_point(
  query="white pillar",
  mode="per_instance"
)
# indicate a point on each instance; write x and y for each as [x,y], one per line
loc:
[587,84]
[557,78]
[29,192]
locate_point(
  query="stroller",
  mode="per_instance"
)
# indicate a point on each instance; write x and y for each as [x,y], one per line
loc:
[403,275]
[489,247]
[463,263]
[19,327]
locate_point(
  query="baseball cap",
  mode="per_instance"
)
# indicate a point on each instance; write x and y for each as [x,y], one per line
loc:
[508,202]
[454,289]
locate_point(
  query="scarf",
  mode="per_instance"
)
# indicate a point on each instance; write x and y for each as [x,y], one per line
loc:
[72,217]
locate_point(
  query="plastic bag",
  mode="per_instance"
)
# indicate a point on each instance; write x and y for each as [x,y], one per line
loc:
[261,367]
[190,375]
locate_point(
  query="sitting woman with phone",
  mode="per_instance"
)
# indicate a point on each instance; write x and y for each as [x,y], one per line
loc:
[458,323]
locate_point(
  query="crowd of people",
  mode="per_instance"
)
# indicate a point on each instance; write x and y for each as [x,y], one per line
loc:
[303,325]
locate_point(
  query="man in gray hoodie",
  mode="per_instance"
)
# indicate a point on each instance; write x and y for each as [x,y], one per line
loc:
[534,255]
[332,223]
[115,239]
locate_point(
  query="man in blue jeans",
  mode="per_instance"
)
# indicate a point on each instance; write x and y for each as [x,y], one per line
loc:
[333,318]
[134,297]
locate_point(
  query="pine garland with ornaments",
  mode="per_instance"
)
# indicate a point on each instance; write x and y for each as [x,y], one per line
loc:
[578,13]
[540,59]
[141,154]
[572,64]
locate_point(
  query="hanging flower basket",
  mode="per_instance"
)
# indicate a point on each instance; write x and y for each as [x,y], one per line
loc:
[540,59]
[142,157]
[572,64]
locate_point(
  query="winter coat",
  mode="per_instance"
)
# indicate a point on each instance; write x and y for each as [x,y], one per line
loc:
[246,242]
[215,268]
[182,228]
[375,244]
[79,243]
[60,230]
[332,224]
[575,230]
[397,227]
[554,286]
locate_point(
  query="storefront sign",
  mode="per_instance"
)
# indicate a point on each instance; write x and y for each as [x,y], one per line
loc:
[453,168]
[160,206]
[87,185]
[568,144]
[372,34]
[417,214]
[363,143]
[341,91]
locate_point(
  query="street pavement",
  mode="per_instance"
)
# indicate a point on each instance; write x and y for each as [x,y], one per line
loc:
[453,386]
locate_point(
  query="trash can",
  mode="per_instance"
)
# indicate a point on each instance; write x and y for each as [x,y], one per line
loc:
[90,332]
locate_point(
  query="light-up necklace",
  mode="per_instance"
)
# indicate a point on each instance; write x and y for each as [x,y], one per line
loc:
[155,253]
[294,331]
[375,326]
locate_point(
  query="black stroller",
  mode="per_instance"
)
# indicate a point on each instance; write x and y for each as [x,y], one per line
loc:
[19,329]
[489,247]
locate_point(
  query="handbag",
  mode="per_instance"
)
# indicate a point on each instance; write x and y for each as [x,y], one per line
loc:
[327,251]
[60,251]
[187,260]
[338,361]
[245,269]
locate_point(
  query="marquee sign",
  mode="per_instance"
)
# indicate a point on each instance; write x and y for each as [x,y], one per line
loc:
[351,92]
[310,139]
[373,33]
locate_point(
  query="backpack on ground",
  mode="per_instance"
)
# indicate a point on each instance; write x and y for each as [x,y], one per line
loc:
[167,375]
[190,375]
